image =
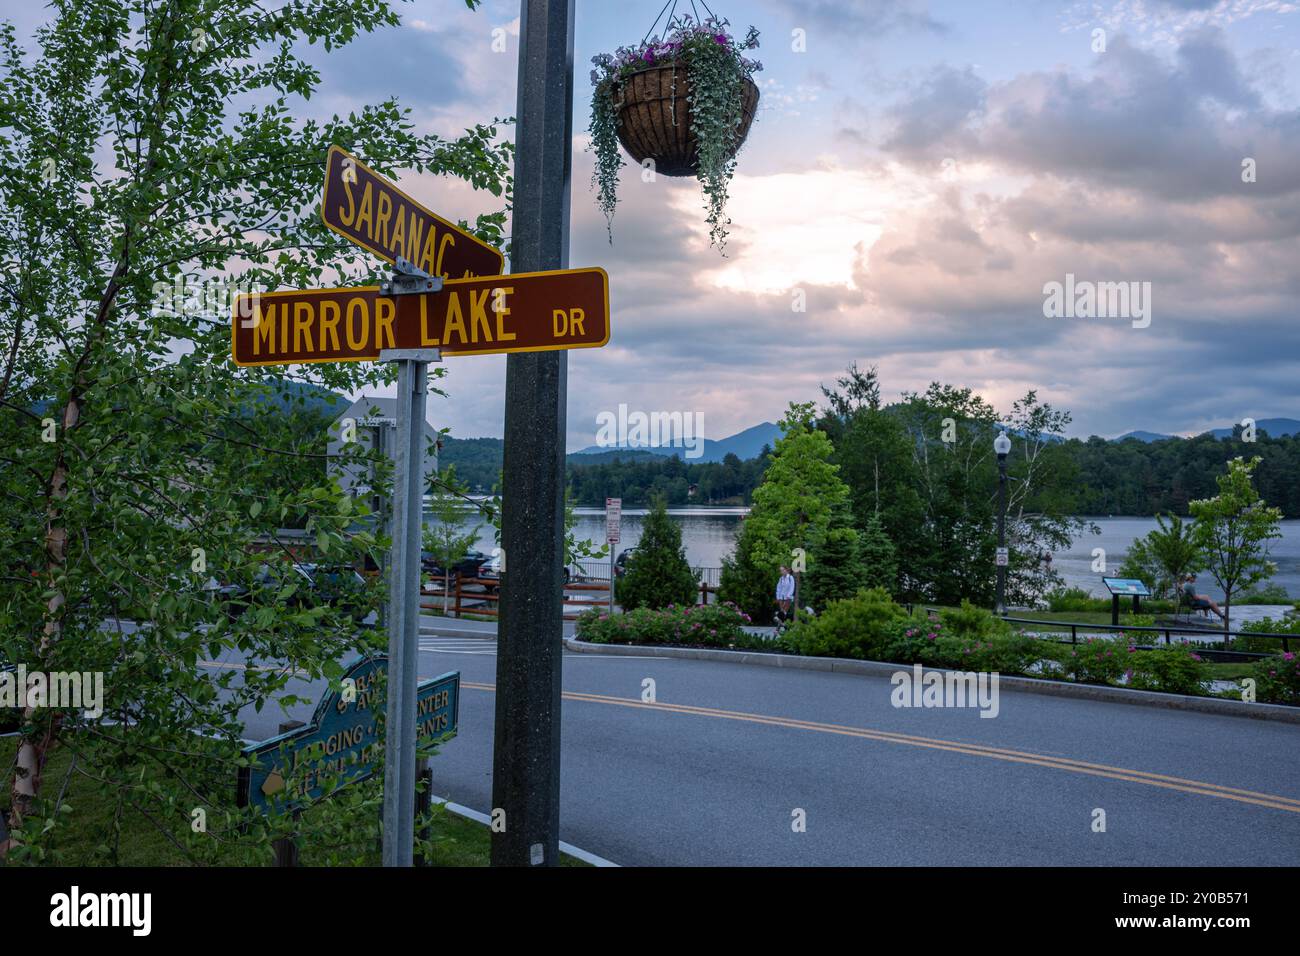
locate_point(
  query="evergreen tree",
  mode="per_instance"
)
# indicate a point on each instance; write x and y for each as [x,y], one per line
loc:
[878,555]
[657,571]
[835,571]
[800,500]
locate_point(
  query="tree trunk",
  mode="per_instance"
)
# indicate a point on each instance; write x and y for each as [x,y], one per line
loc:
[33,747]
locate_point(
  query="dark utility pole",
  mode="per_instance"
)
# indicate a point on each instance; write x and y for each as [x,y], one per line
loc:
[526,757]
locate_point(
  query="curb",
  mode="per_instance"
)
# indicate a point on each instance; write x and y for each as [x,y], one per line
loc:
[1030,685]
[483,818]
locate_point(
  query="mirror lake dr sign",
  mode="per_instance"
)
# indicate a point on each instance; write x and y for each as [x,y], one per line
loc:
[340,742]
[523,312]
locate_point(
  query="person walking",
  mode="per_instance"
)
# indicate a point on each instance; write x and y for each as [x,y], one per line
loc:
[784,594]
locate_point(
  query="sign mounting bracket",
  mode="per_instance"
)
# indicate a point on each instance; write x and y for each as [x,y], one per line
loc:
[409,279]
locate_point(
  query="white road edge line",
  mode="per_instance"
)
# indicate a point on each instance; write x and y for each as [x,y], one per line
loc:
[484,819]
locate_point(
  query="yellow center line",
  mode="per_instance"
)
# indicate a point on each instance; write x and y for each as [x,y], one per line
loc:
[1182,784]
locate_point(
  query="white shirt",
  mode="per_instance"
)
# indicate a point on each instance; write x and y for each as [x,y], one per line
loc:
[785,588]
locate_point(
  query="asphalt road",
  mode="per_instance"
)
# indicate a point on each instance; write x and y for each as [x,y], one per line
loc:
[714,771]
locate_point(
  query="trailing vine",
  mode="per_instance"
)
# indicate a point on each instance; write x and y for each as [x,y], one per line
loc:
[716,70]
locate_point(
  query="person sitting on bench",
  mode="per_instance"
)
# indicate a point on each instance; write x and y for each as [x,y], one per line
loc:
[1199,602]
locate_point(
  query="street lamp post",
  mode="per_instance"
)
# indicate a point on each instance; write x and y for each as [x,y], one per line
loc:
[1002,445]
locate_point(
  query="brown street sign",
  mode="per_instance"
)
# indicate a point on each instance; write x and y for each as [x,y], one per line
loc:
[363,206]
[527,312]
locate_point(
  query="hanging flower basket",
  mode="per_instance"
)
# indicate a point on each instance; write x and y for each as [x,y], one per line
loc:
[654,118]
[680,106]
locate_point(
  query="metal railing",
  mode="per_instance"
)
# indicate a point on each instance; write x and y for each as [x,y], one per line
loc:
[1223,650]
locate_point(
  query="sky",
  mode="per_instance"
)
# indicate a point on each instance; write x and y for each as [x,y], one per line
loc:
[918,173]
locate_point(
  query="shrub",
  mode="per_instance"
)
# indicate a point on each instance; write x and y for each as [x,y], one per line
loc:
[1268,625]
[974,622]
[714,625]
[1176,669]
[1075,599]
[1004,653]
[1268,594]
[1097,660]
[913,640]
[860,627]
[657,572]
[748,586]
[1277,679]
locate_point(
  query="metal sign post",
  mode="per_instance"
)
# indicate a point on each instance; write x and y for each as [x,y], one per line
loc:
[613,534]
[404,579]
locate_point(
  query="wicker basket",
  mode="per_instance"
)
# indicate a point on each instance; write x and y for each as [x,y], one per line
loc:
[655,118]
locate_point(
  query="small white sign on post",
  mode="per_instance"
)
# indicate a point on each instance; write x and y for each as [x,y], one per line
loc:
[613,519]
[1002,558]
[613,529]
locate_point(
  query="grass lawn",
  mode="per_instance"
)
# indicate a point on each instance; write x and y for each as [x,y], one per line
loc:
[456,840]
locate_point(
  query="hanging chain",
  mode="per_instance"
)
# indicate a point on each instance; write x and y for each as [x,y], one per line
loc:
[670,7]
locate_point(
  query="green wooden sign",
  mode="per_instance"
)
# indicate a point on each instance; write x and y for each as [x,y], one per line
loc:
[340,744]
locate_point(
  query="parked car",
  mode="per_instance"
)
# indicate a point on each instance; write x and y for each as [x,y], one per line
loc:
[466,567]
[620,563]
[491,571]
[336,585]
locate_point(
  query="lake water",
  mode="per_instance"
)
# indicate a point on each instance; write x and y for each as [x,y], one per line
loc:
[709,534]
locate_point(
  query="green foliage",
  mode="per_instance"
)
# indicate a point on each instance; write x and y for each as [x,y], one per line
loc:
[800,500]
[969,621]
[914,639]
[1176,669]
[1232,531]
[1268,594]
[925,469]
[712,625]
[714,69]
[1076,599]
[657,572]
[860,627]
[1277,679]
[878,555]
[1164,557]
[1267,645]
[443,536]
[836,571]
[1003,653]
[743,583]
[1097,660]
[129,169]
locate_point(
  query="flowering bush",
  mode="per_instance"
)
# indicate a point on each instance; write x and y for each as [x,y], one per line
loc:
[1004,653]
[1277,679]
[915,640]
[713,625]
[1176,669]
[716,70]
[1097,660]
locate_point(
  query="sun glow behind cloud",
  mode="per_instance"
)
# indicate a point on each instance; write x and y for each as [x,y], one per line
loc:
[817,226]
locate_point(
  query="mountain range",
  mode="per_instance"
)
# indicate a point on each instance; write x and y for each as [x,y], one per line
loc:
[1275,427]
[744,445]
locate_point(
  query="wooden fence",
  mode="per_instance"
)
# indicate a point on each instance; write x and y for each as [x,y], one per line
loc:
[479,597]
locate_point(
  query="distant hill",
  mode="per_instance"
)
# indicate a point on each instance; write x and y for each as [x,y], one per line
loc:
[1276,428]
[744,445]
[1143,436]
